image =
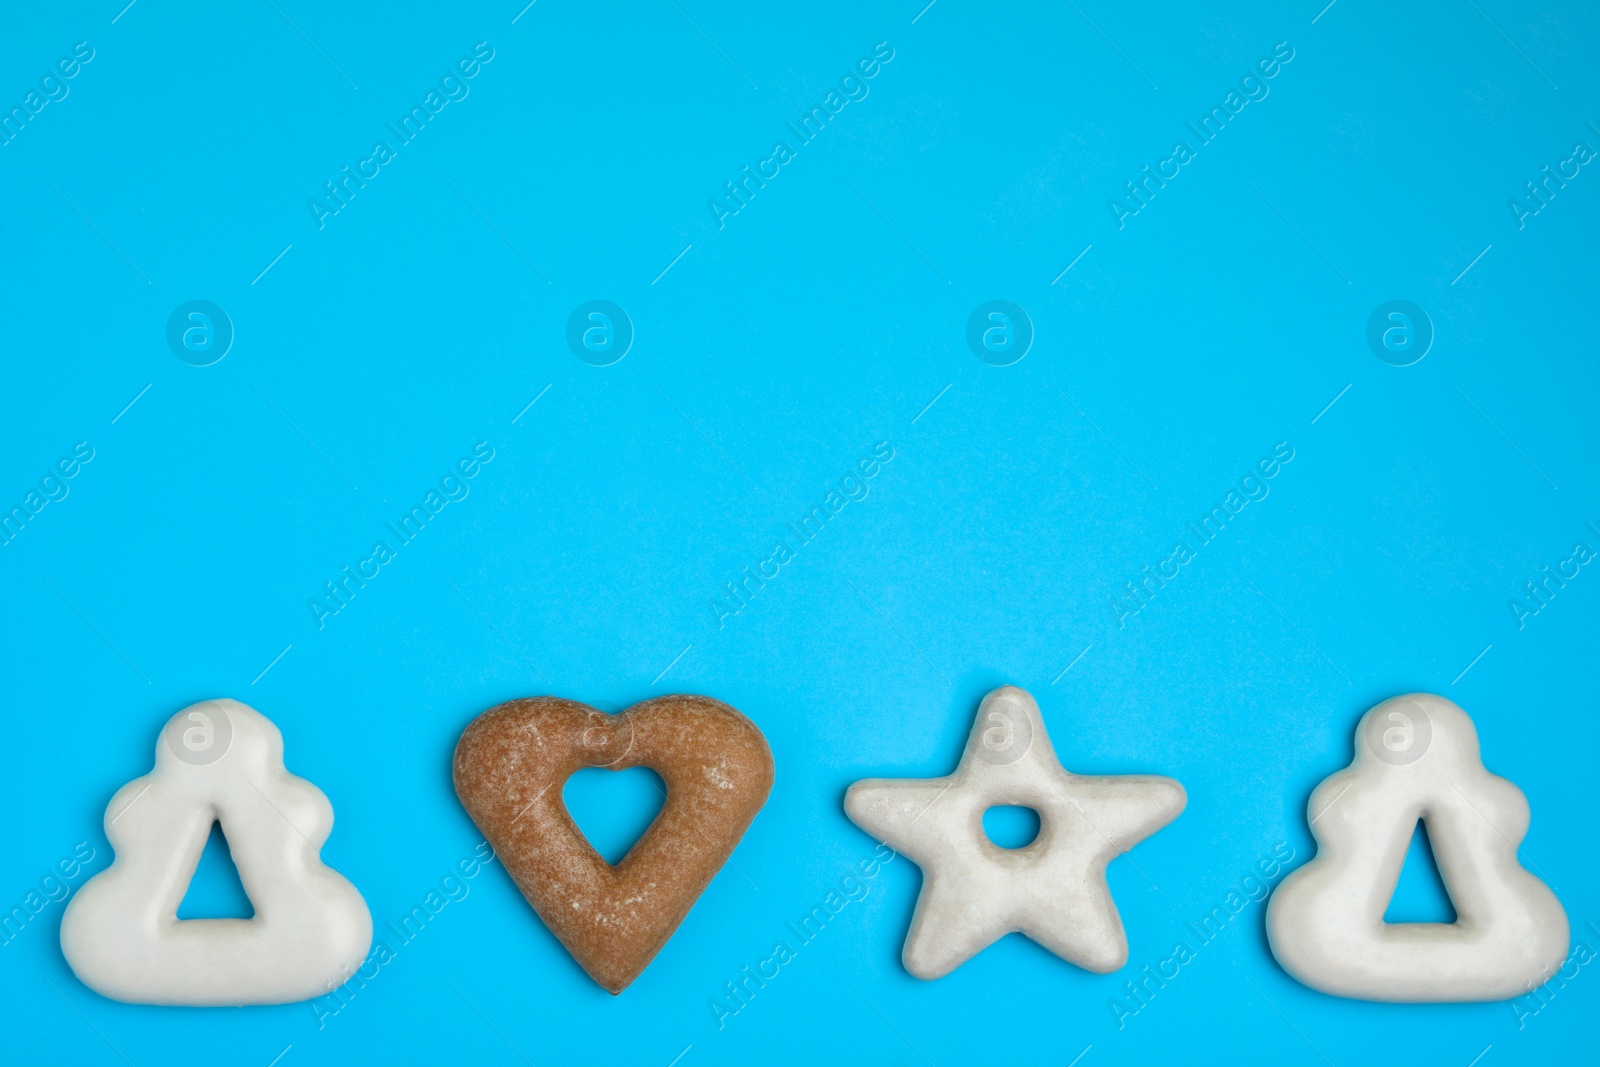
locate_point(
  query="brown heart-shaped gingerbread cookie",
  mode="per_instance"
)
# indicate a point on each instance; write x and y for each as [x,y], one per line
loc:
[511,763]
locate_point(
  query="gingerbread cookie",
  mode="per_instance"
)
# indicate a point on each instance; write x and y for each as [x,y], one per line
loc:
[511,763]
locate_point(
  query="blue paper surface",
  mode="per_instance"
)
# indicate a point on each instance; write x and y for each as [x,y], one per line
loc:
[394,228]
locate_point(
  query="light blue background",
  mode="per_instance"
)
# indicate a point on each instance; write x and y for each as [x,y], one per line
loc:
[775,353]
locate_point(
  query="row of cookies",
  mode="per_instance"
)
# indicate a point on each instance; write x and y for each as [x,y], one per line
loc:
[1416,757]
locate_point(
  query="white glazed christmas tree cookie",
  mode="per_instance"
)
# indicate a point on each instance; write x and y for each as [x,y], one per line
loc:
[217,761]
[1053,890]
[1417,757]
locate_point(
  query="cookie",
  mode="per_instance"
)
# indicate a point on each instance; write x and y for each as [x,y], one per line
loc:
[1417,756]
[511,764]
[1052,890]
[221,761]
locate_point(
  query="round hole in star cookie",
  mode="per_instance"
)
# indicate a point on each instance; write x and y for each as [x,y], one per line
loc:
[1011,826]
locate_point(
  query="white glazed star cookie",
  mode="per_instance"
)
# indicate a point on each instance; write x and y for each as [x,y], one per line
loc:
[1053,890]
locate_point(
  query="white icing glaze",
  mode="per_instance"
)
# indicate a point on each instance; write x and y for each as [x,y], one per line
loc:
[1416,756]
[218,760]
[1054,889]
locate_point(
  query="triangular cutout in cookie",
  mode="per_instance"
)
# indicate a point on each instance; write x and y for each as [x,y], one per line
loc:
[215,891]
[1421,895]
[1417,757]
[217,762]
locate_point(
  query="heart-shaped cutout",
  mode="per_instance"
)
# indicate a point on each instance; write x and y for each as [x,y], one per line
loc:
[614,808]
[511,764]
